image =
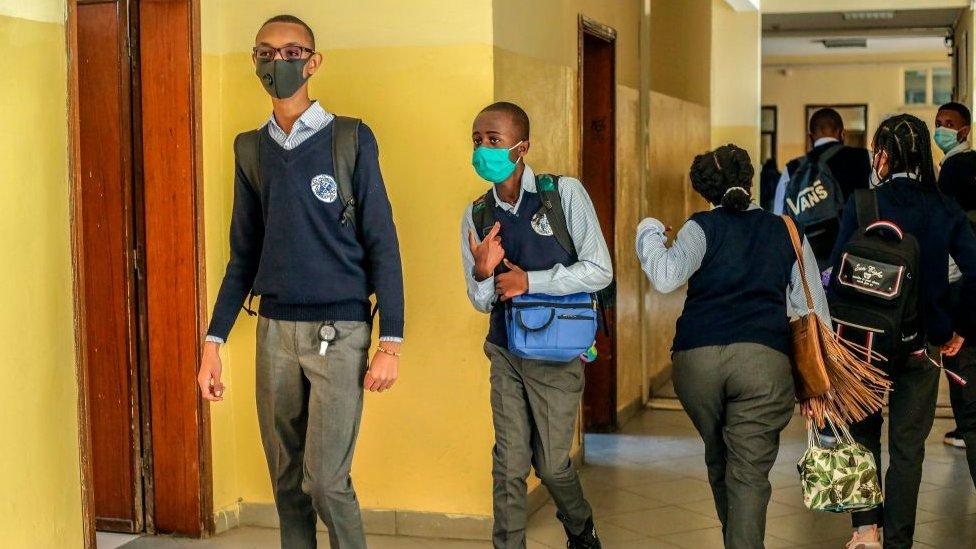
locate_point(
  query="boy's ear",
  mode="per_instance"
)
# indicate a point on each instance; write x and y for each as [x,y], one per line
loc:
[524,147]
[314,63]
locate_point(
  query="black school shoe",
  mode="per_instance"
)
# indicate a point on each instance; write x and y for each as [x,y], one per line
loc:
[953,439]
[587,539]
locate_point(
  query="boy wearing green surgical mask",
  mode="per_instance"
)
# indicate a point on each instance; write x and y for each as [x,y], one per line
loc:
[539,235]
[957,178]
[312,233]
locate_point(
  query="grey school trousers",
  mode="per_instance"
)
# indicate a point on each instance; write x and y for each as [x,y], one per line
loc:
[739,397]
[533,406]
[309,408]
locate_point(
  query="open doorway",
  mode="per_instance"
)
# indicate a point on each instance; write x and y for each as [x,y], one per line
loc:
[597,88]
[136,231]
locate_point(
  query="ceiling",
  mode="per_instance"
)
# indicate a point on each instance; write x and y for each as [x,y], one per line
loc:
[877,22]
[791,45]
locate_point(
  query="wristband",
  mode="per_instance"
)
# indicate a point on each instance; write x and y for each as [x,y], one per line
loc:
[383,349]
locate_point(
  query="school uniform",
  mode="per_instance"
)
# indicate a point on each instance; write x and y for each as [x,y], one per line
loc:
[534,403]
[957,178]
[731,366]
[289,247]
[941,229]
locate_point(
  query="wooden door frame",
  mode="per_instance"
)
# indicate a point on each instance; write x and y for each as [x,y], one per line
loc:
[200,438]
[588,26]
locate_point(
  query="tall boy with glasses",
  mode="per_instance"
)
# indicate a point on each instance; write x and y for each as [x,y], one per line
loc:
[312,233]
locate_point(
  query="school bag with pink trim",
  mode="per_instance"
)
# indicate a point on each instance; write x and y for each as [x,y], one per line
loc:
[874,288]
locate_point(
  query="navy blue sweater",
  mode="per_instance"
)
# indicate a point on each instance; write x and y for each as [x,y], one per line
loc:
[941,229]
[738,295]
[297,256]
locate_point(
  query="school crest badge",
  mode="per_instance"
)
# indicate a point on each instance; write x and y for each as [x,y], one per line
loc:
[324,188]
[540,224]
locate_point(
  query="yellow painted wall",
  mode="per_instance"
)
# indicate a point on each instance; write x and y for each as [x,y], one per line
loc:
[792,87]
[417,73]
[40,502]
[681,49]
[536,65]
[735,72]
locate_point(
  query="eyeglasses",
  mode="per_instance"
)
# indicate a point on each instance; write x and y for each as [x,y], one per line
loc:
[267,53]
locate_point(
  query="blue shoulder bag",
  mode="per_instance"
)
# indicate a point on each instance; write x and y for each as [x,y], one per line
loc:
[547,327]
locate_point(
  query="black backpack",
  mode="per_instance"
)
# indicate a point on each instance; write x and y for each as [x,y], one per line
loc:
[875,287]
[813,194]
[345,149]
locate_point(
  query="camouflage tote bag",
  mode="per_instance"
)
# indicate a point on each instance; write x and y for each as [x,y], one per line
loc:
[839,479]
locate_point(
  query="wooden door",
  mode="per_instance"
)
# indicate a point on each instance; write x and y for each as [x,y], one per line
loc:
[598,168]
[109,255]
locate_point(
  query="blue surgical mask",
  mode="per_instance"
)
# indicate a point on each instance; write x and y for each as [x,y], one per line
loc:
[946,138]
[493,164]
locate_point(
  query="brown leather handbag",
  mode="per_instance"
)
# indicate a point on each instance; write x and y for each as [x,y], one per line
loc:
[809,368]
[829,377]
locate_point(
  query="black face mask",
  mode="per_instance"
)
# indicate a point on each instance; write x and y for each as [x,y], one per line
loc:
[281,77]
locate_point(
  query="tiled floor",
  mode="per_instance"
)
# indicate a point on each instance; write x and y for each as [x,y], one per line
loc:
[648,490]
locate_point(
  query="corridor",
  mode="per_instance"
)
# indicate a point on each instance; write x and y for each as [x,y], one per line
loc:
[647,487]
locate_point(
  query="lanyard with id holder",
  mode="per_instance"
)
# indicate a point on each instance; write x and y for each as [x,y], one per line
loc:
[327,334]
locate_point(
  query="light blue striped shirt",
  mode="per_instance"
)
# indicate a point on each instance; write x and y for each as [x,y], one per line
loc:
[592,272]
[670,268]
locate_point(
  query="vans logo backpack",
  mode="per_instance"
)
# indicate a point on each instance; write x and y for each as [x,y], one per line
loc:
[813,194]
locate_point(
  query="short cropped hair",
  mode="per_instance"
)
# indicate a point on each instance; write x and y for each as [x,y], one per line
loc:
[285,18]
[959,108]
[826,120]
[518,115]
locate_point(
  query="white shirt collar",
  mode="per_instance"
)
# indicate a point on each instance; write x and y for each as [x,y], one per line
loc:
[824,141]
[528,184]
[314,118]
[959,148]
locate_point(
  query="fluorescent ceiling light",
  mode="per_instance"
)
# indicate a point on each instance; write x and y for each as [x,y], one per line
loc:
[868,15]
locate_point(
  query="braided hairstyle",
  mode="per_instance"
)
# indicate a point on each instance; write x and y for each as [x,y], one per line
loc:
[905,140]
[724,177]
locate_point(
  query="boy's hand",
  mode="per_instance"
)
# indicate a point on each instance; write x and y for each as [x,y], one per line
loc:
[953,346]
[383,369]
[514,282]
[209,376]
[488,253]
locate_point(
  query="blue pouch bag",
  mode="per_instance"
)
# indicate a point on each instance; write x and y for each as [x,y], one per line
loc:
[547,327]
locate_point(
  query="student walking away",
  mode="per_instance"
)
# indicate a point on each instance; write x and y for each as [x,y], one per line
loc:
[312,233]
[532,250]
[731,349]
[957,179]
[769,176]
[889,293]
[814,187]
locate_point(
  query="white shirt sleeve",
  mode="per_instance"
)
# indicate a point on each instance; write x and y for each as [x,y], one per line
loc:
[481,294]
[593,270]
[797,299]
[669,268]
[779,199]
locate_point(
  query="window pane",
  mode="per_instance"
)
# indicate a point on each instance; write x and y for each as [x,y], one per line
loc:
[915,87]
[941,86]
[768,119]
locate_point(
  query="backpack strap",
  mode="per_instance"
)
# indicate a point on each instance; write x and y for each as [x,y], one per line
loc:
[547,186]
[866,202]
[829,153]
[483,213]
[247,150]
[345,149]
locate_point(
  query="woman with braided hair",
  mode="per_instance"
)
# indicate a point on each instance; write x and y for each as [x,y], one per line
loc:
[909,197]
[731,350]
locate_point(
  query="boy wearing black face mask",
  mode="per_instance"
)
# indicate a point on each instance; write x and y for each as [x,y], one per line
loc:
[312,233]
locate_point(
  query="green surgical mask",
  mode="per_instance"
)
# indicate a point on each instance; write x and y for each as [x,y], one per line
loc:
[281,77]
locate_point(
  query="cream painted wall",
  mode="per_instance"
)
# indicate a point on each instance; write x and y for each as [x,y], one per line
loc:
[964,32]
[791,87]
[536,65]
[416,74]
[814,6]
[680,39]
[40,503]
[735,74]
